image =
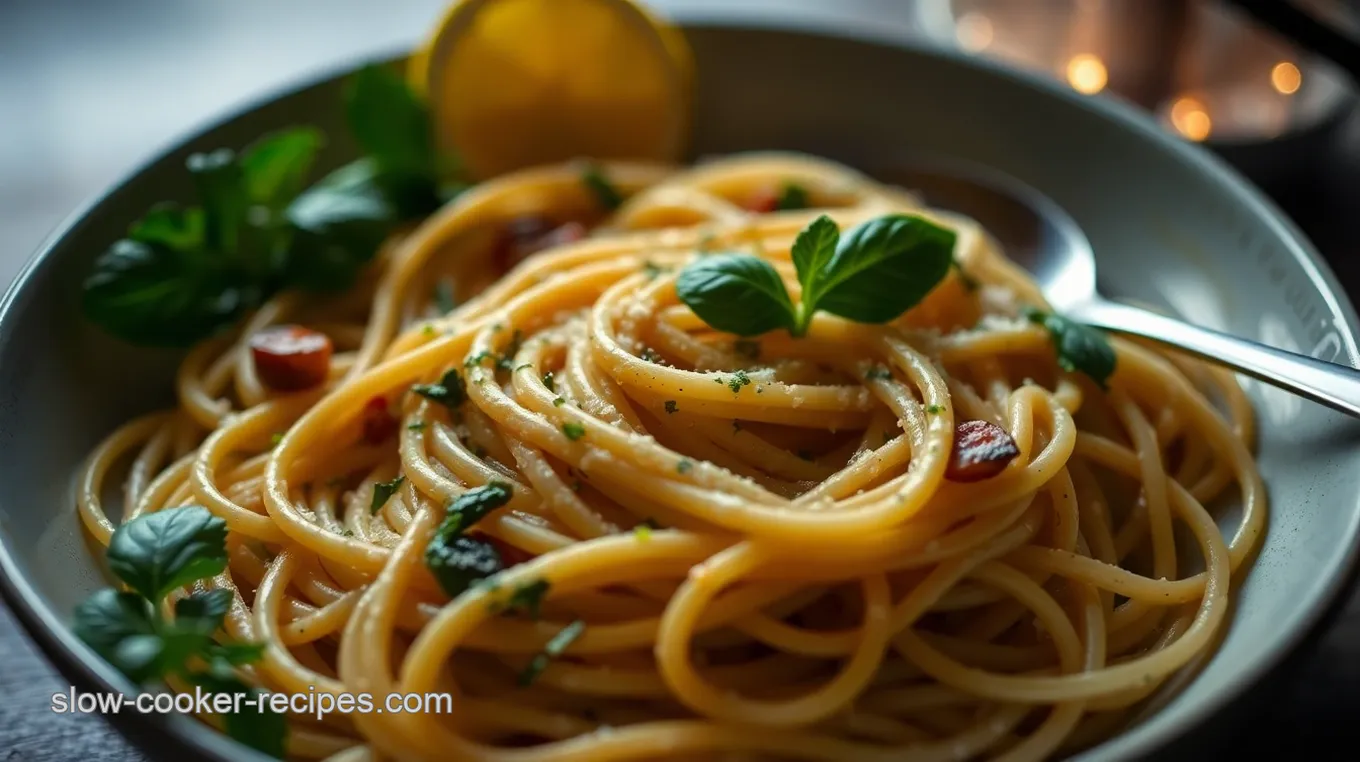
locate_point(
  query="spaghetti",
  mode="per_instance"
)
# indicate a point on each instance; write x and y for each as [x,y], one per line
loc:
[752,544]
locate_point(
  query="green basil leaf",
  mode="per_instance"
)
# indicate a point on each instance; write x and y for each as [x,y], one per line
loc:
[108,619]
[235,653]
[414,195]
[262,728]
[275,167]
[162,551]
[812,249]
[882,268]
[257,725]
[222,193]
[141,657]
[152,295]
[337,227]
[737,293]
[1080,347]
[170,226]
[203,610]
[389,121]
[604,191]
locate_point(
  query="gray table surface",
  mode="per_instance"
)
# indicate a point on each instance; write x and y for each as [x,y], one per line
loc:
[88,88]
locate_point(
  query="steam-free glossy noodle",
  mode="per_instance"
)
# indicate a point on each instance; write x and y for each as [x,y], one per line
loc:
[758,536]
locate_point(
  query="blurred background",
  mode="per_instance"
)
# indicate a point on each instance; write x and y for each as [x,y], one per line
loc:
[89,89]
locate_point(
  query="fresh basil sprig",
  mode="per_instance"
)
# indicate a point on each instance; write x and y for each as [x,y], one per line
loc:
[183,273]
[880,269]
[1080,347]
[154,555]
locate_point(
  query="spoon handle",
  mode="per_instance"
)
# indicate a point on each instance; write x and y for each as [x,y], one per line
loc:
[1336,386]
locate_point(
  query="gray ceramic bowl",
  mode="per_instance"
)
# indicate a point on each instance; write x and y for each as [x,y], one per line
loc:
[1170,225]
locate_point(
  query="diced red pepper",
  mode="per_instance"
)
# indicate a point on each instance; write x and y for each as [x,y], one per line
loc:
[527,235]
[763,201]
[290,358]
[379,423]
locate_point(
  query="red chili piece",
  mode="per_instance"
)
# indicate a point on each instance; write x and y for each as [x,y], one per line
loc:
[379,423]
[527,235]
[763,201]
[291,358]
[981,450]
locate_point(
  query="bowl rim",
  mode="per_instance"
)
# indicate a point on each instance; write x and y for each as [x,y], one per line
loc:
[87,671]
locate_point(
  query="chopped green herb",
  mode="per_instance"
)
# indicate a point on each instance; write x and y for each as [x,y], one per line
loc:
[683,466]
[549,382]
[650,355]
[348,533]
[652,269]
[416,426]
[458,562]
[527,598]
[451,391]
[604,191]
[671,406]
[642,532]
[738,380]
[383,491]
[934,409]
[427,329]
[478,359]
[443,297]
[1080,347]
[275,438]
[792,196]
[573,430]
[559,643]
[878,373]
[559,402]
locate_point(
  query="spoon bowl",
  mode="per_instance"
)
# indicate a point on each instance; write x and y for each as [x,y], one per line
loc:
[1040,236]
[1033,231]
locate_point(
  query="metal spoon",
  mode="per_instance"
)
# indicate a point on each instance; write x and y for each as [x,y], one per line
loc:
[1038,235]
